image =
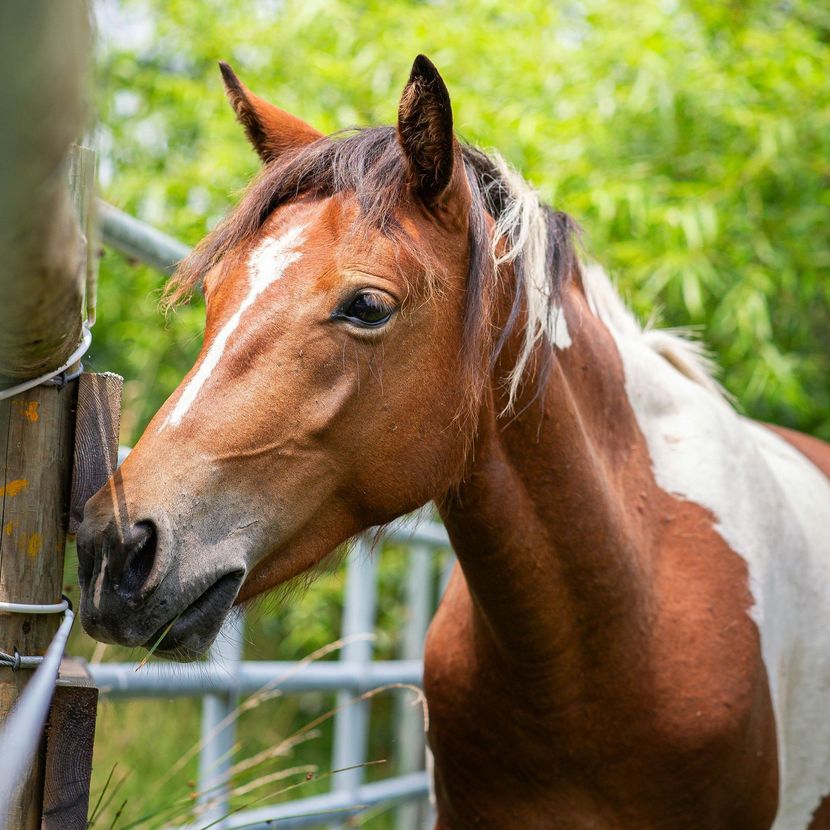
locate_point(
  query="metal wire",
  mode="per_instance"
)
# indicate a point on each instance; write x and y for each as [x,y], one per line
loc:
[31,608]
[16,660]
[83,347]
[19,661]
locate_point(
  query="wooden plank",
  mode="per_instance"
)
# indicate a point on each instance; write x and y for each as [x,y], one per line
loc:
[96,438]
[34,494]
[70,733]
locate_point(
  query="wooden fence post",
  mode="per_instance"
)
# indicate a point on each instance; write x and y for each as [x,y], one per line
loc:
[44,53]
[45,50]
[36,438]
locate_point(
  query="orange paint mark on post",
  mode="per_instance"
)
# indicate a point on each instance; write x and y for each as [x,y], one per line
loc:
[8,528]
[28,409]
[15,487]
[34,545]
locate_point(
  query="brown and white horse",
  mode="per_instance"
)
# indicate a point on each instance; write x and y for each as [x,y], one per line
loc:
[638,635]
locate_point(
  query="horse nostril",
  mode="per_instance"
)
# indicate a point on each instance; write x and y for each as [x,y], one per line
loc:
[137,558]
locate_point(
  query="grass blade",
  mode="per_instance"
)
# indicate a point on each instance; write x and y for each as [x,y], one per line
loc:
[155,645]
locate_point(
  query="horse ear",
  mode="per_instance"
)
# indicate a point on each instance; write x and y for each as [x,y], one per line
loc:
[425,130]
[272,131]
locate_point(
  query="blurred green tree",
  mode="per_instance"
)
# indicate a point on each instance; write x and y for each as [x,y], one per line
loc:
[691,140]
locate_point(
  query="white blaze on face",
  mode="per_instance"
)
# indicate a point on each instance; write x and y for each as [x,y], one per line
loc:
[266,264]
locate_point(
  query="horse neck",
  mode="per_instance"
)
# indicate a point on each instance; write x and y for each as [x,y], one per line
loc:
[551,522]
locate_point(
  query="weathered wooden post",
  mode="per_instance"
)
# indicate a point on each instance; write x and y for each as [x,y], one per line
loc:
[44,56]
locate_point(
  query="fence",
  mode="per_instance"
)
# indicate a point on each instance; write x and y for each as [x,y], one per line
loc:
[22,731]
[226,676]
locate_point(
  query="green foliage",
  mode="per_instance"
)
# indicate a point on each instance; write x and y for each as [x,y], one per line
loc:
[691,140]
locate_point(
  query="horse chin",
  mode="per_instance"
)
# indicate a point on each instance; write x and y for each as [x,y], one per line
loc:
[188,636]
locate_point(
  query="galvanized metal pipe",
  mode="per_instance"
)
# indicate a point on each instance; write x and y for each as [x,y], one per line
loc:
[316,810]
[21,733]
[414,528]
[420,590]
[351,724]
[139,240]
[121,680]
[218,728]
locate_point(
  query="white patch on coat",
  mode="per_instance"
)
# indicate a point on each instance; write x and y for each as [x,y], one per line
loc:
[678,346]
[773,509]
[559,335]
[267,264]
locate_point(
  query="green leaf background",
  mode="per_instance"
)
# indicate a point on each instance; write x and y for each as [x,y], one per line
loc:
[691,140]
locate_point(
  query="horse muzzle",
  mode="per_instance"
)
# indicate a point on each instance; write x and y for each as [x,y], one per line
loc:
[136,592]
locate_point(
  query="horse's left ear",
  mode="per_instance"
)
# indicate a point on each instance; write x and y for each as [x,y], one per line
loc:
[425,130]
[271,130]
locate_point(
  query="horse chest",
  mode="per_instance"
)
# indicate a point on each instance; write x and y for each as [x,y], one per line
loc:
[619,755]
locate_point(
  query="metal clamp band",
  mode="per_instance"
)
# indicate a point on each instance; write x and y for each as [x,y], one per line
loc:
[83,347]
[16,660]
[30,608]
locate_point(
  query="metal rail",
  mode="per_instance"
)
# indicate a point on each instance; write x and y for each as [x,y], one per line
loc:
[121,680]
[218,723]
[139,240]
[410,735]
[351,724]
[21,734]
[319,809]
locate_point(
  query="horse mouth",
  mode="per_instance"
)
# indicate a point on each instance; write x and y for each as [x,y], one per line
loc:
[188,635]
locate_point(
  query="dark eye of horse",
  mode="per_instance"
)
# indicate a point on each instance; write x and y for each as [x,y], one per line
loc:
[367,309]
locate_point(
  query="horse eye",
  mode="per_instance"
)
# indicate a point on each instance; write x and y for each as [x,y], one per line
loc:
[367,309]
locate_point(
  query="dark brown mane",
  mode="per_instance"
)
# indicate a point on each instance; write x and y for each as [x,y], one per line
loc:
[370,164]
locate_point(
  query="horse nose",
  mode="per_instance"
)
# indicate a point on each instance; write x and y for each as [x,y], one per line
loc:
[123,560]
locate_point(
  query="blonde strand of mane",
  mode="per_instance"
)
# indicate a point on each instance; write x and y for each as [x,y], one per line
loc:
[521,233]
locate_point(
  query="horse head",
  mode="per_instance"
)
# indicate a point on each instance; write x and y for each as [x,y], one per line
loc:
[332,391]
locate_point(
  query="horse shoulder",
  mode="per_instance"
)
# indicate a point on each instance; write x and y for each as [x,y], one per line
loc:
[793,614]
[769,501]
